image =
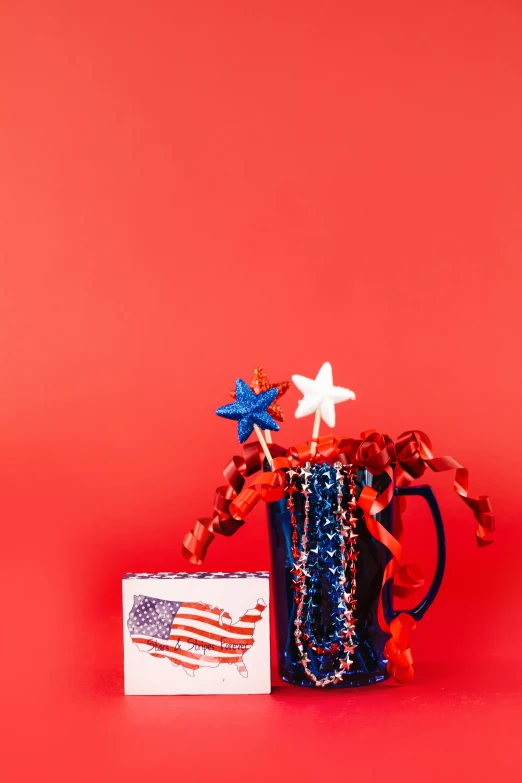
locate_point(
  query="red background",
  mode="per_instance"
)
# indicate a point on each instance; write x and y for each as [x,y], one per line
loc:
[189,189]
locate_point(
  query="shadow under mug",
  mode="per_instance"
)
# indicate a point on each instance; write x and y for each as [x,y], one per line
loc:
[369,662]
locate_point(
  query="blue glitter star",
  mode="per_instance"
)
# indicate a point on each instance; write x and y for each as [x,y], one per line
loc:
[249,409]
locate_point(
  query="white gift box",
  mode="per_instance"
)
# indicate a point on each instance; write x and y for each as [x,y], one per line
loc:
[196,633]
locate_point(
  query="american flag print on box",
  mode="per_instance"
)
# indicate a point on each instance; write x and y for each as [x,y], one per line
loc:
[196,633]
[192,635]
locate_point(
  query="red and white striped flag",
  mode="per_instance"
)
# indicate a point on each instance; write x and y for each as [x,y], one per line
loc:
[192,634]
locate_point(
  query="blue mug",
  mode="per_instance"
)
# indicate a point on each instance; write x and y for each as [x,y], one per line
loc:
[368,657]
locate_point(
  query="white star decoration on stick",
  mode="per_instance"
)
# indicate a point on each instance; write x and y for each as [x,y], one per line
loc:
[320,397]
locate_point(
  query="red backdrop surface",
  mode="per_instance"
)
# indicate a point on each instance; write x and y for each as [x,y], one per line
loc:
[187,190]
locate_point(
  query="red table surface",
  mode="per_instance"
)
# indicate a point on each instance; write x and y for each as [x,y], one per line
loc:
[188,190]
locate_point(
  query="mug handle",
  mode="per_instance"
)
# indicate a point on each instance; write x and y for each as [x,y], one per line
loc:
[426,492]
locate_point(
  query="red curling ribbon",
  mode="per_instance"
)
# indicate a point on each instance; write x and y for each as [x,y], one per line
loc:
[375,453]
[269,487]
[298,455]
[244,503]
[411,454]
[197,541]
[415,452]
[411,579]
[397,649]
[327,448]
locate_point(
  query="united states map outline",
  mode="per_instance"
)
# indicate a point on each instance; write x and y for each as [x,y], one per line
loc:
[192,635]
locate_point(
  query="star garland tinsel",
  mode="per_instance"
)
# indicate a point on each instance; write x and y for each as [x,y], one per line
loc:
[324,565]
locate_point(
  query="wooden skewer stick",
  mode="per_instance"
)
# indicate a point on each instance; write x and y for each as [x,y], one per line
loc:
[268,436]
[262,441]
[315,432]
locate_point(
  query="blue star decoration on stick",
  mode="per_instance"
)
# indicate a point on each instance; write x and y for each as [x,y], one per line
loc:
[249,409]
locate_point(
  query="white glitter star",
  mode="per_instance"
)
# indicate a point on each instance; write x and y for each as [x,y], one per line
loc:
[320,395]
